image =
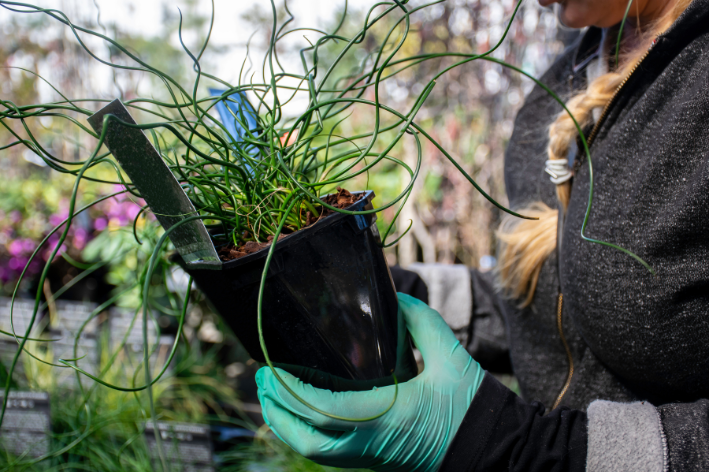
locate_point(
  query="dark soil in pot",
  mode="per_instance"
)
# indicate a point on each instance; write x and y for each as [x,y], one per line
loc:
[343,199]
[329,301]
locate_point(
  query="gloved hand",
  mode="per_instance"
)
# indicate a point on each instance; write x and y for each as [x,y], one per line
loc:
[413,436]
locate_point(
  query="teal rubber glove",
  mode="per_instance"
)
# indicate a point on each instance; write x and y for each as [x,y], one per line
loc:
[413,435]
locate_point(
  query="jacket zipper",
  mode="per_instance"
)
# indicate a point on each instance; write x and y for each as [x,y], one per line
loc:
[589,141]
[613,99]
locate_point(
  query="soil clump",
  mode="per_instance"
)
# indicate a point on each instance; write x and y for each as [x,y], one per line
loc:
[342,199]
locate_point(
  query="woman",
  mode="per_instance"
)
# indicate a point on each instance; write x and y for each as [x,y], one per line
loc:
[587,327]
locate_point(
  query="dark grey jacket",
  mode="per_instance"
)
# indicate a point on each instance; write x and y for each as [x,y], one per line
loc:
[640,343]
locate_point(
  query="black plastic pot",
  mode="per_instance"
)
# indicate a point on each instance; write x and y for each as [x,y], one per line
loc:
[329,302]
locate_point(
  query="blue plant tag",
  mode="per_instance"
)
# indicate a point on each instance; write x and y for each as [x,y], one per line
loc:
[236,114]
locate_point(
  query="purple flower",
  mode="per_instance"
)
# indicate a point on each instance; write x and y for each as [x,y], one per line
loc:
[133,212]
[35,266]
[15,248]
[17,263]
[100,224]
[28,245]
[80,238]
[55,219]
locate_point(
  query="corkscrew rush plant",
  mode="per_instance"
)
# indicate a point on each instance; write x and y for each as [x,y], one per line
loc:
[269,178]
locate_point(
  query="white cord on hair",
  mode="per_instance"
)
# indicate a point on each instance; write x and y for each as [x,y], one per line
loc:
[559,170]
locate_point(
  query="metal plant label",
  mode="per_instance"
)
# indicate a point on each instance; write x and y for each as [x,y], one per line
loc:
[71,318]
[72,315]
[27,424]
[119,323]
[87,353]
[188,444]
[21,315]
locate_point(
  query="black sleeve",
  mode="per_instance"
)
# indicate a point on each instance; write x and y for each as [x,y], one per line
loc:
[409,282]
[502,432]
[488,335]
[686,428]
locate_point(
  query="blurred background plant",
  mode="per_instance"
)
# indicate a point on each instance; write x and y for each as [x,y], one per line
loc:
[470,112]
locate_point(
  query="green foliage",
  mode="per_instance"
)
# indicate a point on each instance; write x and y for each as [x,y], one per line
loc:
[267,455]
[98,428]
[253,187]
[124,255]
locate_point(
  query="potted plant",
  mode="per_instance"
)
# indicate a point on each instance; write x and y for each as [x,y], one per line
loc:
[253,200]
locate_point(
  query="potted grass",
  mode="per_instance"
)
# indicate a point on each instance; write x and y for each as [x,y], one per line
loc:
[254,206]
[323,298]
[254,201]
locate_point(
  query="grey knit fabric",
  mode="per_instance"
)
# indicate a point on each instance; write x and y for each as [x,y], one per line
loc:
[449,293]
[625,437]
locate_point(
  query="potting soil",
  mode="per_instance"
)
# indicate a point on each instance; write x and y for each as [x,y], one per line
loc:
[342,199]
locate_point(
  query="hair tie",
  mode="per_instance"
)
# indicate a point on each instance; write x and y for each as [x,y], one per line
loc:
[559,171]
